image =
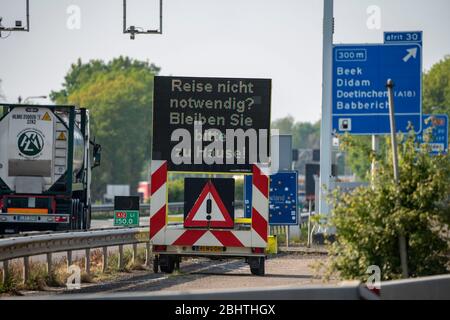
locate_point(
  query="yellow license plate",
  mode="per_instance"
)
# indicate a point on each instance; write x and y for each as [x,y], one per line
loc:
[210,249]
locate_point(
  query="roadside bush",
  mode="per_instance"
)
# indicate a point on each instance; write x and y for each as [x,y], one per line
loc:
[369,220]
[176,190]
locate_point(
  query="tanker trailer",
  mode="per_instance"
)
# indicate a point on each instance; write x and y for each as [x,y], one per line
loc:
[46,158]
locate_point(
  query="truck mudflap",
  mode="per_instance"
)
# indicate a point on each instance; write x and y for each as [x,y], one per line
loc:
[6,218]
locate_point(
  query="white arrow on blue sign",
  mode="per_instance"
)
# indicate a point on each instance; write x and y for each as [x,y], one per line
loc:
[360,98]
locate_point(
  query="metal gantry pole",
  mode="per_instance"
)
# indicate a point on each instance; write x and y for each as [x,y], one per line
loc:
[28,15]
[326,124]
[160,16]
[124,16]
[402,240]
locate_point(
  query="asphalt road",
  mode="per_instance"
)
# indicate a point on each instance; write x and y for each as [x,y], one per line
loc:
[200,274]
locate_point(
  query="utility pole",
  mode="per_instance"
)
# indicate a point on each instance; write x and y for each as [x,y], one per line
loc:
[401,238]
[326,124]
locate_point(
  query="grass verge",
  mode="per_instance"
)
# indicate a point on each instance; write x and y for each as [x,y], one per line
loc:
[40,280]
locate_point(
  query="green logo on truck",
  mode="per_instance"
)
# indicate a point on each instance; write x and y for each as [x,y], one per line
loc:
[30,143]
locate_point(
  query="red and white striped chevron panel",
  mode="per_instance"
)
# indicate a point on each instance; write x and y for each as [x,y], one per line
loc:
[160,234]
[260,206]
[158,200]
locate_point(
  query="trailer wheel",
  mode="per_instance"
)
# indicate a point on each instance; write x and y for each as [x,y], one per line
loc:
[156,264]
[166,263]
[257,266]
[86,216]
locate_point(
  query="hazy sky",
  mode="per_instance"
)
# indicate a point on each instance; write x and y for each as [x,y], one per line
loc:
[277,39]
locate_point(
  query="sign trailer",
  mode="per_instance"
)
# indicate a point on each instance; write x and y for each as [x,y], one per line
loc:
[210,126]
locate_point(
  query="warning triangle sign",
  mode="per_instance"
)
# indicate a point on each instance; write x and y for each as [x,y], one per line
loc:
[46,117]
[62,136]
[209,210]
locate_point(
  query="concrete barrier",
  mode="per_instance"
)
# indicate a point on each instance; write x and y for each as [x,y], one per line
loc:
[426,288]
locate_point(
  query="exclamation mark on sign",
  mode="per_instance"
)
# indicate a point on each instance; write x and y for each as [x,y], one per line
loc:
[208,209]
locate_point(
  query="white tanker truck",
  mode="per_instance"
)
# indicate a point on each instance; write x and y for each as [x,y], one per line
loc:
[45,168]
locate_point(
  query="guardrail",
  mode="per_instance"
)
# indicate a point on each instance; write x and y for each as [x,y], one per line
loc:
[25,247]
[173,206]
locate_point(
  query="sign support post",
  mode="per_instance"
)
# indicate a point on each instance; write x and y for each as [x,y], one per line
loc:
[287,236]
[309,223]
[326,124]
[402,240]
[375,149]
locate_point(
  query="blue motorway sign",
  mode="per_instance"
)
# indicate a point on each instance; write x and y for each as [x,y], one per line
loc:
[360,98]
[283,198]
[403,37]
[437,126]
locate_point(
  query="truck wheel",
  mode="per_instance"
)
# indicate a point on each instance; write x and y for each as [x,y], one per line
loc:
[74,215]
[167,264]
[88,218]
[257,266]
[79,215]
[82,215]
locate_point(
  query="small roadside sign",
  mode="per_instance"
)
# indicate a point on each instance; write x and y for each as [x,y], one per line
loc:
[437,125]
[283,198]
[403,37]
[126,211]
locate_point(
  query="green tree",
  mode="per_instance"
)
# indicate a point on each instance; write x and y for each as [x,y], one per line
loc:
[305,135]
[119,95]
[369,220]
[285,125]
[436,88]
